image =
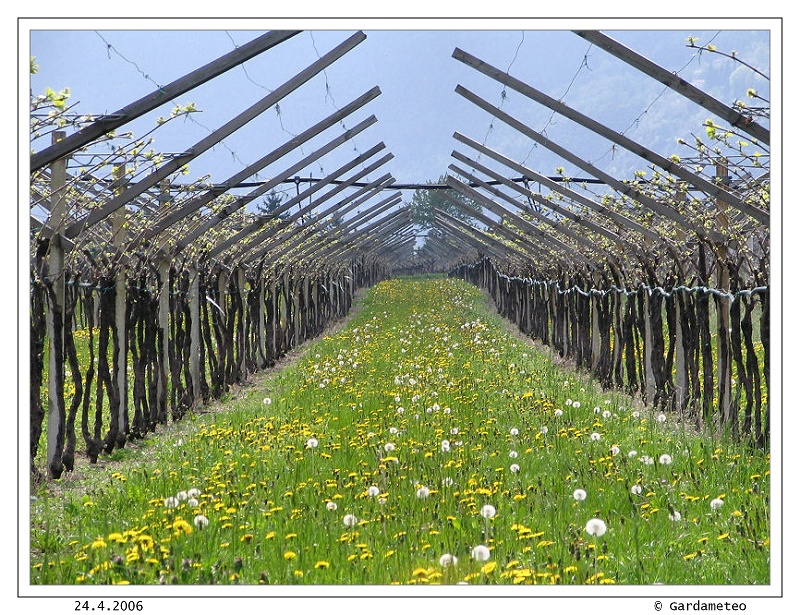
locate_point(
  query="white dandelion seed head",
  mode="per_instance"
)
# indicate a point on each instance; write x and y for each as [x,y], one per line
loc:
[569,401]
[662,418]
[665,459]
[182,496]
[312,443]
[201,522]
[615,450]
[514,431]
[636,489]
[675,516]
[447,481]
[717,503]
[171,502]
[514,468]
[423,492]
[579,495]
[646,460]
[488,511]
[445,446]
[193,502]
[632,454]
[513,454]
[448,560]
[400,410]
[454,431]
[559,412]
[350,520]
[596,409]
[480,553]
[392,430]
[596,527]
[193,493]
[331,506]
[606,414]
[373,491]
[595,437]
[267,401]
[389,447]
[576,404]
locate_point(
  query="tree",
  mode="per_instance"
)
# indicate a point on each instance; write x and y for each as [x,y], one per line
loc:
[425,200]
[270,203]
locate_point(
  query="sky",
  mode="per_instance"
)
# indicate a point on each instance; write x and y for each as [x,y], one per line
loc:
[108,64]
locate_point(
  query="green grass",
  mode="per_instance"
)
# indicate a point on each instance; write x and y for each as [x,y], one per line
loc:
[276,505]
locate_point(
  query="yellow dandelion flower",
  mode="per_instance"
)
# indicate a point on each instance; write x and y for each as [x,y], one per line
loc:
[488,568]
[99,543]
[322,564]
[289,555]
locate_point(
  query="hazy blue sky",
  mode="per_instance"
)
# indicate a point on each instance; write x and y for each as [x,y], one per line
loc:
[108,65]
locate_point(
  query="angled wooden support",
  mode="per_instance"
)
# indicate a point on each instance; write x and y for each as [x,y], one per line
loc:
[621,220]
[478,236]
[247,253]
[218,135]
[284,222]
[308,243]
[584,241]
[525,192]
[676,83]
[107,123]
[626,189]
[305,230]
[514,237]
[555,244]
[316,225]
[346,236]
[194,204]
[700,183]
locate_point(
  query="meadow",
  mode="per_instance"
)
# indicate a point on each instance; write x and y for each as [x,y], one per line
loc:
[423,443]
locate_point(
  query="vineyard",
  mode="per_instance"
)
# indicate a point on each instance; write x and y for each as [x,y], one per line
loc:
[566,383]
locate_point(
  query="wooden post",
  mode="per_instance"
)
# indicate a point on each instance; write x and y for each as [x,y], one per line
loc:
[595,299]
[723,305]
[194,332]
[241,342]
[681,376]
[649,376]
[120,280]
[262,324]
[55,316]
[162,390]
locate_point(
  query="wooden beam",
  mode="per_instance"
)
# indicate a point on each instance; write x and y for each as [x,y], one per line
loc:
[227,211]
[676,84]
[578,219]
[162,95]
[700,183]
[556,244]
[627,189]
[215,137]
[283,223]
[599,208]
[196,203]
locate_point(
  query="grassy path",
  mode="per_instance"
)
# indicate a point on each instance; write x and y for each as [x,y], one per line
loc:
[423,443]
